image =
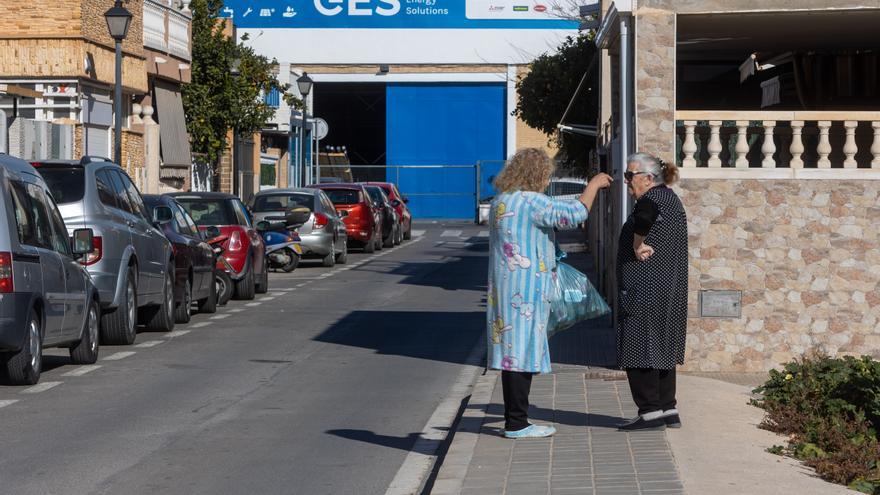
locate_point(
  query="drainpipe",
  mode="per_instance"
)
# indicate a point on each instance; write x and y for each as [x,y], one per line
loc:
[626,111]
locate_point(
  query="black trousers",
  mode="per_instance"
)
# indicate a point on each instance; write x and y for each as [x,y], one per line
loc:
[652,390]
[516,386]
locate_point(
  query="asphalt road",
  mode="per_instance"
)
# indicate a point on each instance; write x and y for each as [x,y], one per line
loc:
[319,387]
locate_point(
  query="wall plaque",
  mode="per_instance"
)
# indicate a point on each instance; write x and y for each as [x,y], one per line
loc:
[720,304]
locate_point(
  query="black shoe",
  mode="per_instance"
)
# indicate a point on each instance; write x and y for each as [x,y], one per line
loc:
[672,421]
[642,424]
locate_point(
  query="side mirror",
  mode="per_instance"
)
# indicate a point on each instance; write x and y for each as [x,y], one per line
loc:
[162,214]
[82,242]
[262,226]
[395,203]
[405,199]
[211,232]
[297,217]
[342,213]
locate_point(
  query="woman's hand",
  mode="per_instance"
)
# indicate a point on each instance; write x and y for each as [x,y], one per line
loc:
[644,252]
[600,181]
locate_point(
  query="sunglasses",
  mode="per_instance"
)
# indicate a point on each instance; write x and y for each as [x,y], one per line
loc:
[629,176]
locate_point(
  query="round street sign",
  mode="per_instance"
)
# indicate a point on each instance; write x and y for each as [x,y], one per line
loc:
[321,129]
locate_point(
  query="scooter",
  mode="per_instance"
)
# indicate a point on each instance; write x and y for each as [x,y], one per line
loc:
[283,244]
[222,268]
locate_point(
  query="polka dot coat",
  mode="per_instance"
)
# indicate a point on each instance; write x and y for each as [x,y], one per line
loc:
[652,294]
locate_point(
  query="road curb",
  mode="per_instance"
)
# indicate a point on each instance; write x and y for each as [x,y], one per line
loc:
[455,465]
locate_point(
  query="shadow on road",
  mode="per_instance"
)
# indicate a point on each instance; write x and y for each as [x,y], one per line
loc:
[433,335]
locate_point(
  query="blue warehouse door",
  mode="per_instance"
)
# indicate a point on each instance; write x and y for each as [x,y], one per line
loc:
[448,126]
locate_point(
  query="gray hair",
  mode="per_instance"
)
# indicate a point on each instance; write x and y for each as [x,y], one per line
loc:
[649,164]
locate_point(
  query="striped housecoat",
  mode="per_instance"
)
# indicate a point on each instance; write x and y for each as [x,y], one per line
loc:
[522,264]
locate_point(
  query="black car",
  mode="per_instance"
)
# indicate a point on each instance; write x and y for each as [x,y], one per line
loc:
[193,257]
[391,231]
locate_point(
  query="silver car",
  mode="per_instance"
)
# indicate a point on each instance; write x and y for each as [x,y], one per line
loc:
[132,262]
[46,297]
[322,236]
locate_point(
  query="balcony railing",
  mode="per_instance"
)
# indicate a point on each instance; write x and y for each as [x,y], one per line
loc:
[166,28]
[778,139]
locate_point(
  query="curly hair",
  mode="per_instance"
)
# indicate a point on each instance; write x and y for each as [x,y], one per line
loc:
[529,170]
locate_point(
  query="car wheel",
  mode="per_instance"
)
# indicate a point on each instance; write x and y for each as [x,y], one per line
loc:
[388,242]
[398,236]
[223,287]
[24,367]
[209,304]
[244,288]
[330,260]
[119,326]
[370,245]
[263,286]
[183,313]
[86,350]
[161,318]
[408,234]
[342,256]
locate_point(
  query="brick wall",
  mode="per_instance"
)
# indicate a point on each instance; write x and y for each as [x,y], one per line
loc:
[94,26]
[41,17]
[806,256]
[655,82]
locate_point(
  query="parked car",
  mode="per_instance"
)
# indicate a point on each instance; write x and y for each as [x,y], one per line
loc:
[323,235]
[48,299]
[243,247]
[131,262]
[399,202]
[193,257]
[566,187]
[363,222]
[391,235]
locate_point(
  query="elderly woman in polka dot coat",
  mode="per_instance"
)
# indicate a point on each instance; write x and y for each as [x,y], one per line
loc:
[652,277]
[522,267]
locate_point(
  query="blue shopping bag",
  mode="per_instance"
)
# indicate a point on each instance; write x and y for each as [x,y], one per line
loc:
[574,299]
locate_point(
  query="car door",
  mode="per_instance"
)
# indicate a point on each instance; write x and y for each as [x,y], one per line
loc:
[330,211]
[256,239]
[197,249]
[140,237]
[158,247]
[74,278]
[28,198]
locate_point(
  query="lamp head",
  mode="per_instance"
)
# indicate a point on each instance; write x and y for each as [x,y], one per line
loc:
[118,21]
[304,84]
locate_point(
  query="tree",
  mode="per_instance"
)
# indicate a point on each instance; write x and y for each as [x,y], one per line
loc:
[545,92]
[216,100]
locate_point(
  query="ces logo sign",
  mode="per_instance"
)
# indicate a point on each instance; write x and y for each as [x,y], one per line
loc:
[358,7]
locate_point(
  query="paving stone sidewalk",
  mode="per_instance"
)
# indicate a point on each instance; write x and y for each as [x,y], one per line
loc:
[587,455]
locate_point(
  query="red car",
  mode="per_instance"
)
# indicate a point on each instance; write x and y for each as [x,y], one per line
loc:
[398,201]
[243,247]
[363,223]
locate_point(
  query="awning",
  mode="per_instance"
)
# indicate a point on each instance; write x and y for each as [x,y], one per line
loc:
[173,139]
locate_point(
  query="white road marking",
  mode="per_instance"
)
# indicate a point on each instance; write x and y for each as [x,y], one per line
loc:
[82,370]
[483,233]
[122,355]
[302,285]
[420,459]
[286,289]
[8,402]
[267,299]
[277,294]
[418,233]
[40,387]
[201,324]
[253,304]
[220,317]
[176,333]
[451,233]
[149,343]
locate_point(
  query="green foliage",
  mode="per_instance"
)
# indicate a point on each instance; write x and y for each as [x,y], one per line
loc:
[830,409]
[216,100]
[545,92]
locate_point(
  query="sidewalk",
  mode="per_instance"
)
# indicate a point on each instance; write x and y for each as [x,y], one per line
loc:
[719,451]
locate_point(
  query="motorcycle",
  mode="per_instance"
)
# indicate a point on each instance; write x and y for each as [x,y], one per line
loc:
[222,268]
[283,244]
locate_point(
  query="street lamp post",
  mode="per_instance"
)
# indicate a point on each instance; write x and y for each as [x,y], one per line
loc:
[118,20]
[304,84]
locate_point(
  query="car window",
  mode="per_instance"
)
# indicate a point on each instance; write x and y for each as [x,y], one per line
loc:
[343,196]
[135,197]
[66,183]
[241,213]
[34,200]
[24,214]
[122,198]
[180,221]
[328,205]
[207,212]
[282,202]
[106,192]
[190,224]
[60,239]
[375,195]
